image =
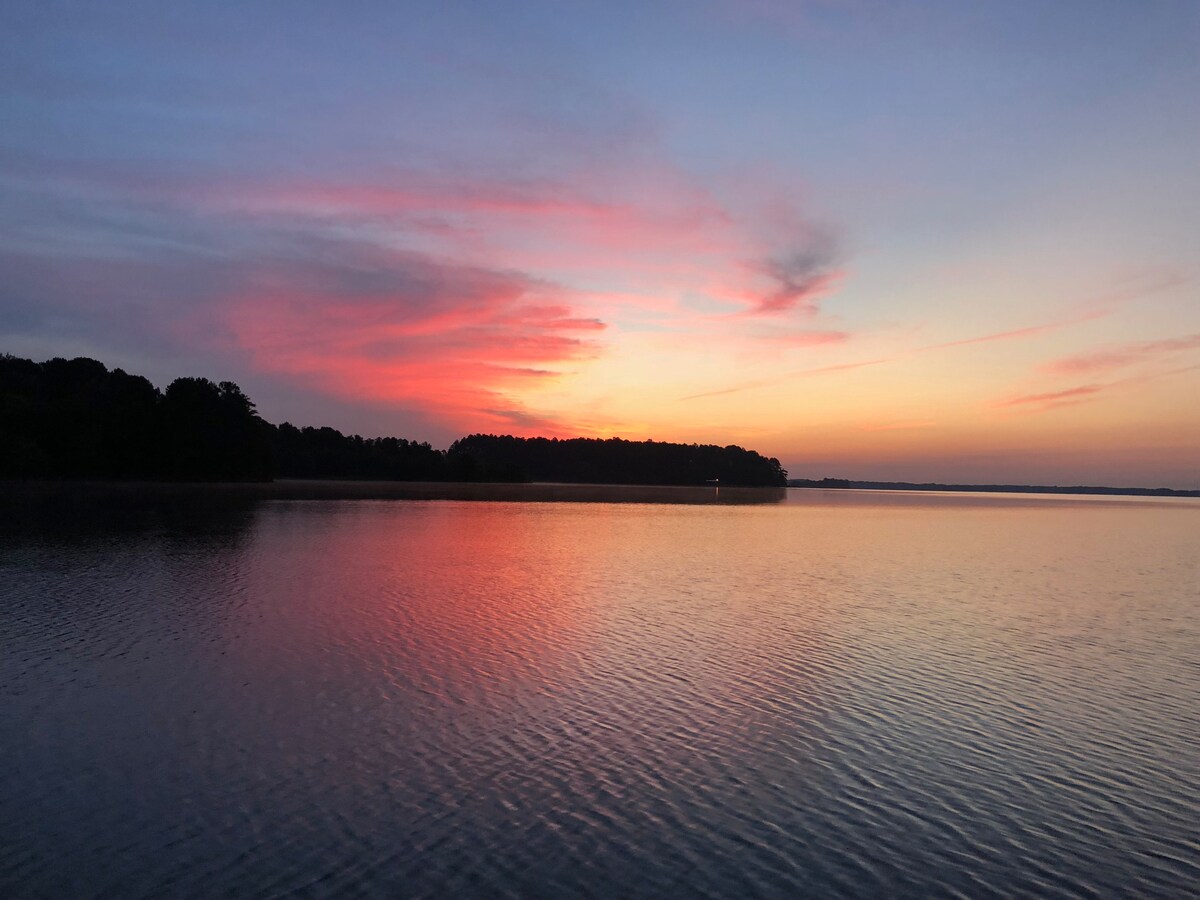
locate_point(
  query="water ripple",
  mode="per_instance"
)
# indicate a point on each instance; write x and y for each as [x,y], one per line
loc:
[429,698]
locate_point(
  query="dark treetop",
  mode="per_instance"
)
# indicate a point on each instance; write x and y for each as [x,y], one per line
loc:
[77,419]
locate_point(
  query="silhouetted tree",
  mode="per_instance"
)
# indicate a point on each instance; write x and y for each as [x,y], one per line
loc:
[76,419]
[211,432]
[617,461]
[327,453]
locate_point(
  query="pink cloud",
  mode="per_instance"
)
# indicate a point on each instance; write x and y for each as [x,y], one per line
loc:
[454,342]
[852,365]
[650,231]
[800,293]
[454,295]
[799,278]
[532,224]
[1120,356]
[1086,392]
[807,338]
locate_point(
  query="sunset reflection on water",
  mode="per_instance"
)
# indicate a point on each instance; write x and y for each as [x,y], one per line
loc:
[842,692]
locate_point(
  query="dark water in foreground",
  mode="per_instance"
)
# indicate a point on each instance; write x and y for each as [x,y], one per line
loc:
[840,693]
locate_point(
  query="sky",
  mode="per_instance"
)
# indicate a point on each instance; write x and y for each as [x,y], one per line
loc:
[920,241]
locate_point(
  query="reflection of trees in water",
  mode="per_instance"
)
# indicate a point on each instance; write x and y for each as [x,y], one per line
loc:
[106,580]
[525,493]
[77,512]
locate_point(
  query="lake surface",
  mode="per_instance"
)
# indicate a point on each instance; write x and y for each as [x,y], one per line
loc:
[819,693]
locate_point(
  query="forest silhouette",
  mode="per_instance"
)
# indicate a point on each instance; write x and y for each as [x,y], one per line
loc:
[77,419]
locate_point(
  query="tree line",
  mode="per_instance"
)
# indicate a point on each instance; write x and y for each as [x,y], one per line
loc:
[618,461]
[78,419]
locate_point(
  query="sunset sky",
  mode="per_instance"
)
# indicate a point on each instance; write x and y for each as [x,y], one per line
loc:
[925,241]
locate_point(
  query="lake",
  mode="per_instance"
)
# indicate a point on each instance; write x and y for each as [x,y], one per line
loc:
[584,692]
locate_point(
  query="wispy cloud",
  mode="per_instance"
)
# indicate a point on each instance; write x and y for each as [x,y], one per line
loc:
[910,425]
[805,338]
[1026,332]
[1121,355]
[453,293]
[1086,392]
[650,228]
[798,279]
[793,283]
[763,382]
[1053,398]
[1138,286]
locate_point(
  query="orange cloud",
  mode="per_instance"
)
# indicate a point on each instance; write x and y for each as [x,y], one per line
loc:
[762,382]
[902,426]
[1054,398]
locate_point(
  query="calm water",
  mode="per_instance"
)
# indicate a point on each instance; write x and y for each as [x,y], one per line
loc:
[836,693]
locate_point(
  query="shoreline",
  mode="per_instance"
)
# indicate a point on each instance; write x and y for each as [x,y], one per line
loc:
[934,488]
[25,493]
[332,489]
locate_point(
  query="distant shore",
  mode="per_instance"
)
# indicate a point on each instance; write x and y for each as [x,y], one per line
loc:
[31,491]
[845,484]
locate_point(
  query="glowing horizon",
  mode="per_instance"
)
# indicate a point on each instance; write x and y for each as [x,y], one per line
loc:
[933,245]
